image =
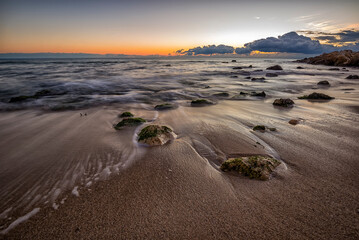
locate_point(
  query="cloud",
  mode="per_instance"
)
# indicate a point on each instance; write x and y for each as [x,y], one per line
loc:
[290,42]
[207,50]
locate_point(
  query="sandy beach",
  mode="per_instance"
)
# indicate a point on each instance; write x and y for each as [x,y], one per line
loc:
[177,191]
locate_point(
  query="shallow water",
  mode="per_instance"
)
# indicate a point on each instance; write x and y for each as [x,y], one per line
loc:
[48,156]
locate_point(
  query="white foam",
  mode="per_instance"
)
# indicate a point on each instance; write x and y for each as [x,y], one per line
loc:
[20,220]
[75,192]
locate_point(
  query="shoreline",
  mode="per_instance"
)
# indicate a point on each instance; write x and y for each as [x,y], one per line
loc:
[178,191]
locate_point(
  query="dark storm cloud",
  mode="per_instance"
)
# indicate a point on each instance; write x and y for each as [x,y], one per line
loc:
[342,37]
[207,50]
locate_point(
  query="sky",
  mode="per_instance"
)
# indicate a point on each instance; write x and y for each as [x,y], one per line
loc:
[145,27]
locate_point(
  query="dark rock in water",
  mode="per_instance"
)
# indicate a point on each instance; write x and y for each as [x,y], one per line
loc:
[234,60]
[126,114]
[224,62]
[207,87]
[247,78]
[316,95]
[271,75]
[258,79]
[155,135]
[21,98]
[258,167]
[233,76]
[293,121]
[299,67]
[129,122]
[237,68]
[258,94]
[325,83]
[258,70]
[243,93]
[275,67]
[201,102]
[223,94]
[352,77]
[259,128]
[168,65]
[345,58]
[250,66]
[272,129]
[333,69]
[283,102]
[165,106]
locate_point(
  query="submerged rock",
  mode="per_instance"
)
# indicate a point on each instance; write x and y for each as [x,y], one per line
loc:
[326,83]
[201,102]
[338,58]
[299,67]
[234,60]
[222,94]
[155,135]
[237,68]
[258,79]
[165,106]
[352,77]
[315,95]
[126,114]
[129,122]
[293,121]
[259,128]
[283,102]
[257,94]
[258,167]
[333,69]
[275,67]
[271,75]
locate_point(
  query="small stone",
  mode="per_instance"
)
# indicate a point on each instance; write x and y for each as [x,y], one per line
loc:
[283,102]
[126,114]
[259,128]
[293,121]
[318,96]
[201,102]
[326,83]
[275,67]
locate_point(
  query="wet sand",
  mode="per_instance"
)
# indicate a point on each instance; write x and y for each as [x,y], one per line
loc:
[177,191]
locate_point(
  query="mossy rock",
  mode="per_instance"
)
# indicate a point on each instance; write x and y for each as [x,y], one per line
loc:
[165,106]
[283,102]
[129,122]
[201,102]
[126,115]
[155,135]
[258,167]
[316,96]
[259,128]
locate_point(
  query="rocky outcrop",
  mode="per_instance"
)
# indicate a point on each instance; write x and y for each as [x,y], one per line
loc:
[155,135]
[337,58]
[283,102]
[258,167]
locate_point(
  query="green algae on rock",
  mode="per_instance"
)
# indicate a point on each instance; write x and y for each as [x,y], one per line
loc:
[258,167]
[129,122]
[165,106]
[126,114]
[155,135]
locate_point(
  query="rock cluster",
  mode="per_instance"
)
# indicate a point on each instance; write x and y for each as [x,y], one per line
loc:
[337,58]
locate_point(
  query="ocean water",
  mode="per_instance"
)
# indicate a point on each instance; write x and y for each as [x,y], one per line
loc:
[80,83]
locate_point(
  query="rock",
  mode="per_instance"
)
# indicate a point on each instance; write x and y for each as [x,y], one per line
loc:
[233,76]
[250,66]
[207,87]
[222,94]
[234,60]
[155,135]
[333,69]
[283,102]
[272,129]
[258,70]
[315,95]
[271,75]
[165,106]
[243,93]
[258,79]
[258,94]
[345,58]
[126,114]
[168,65]
[247,78]
[326,83]
[275,67]
[299,67]
[237,68]
[224,62]
[258,167]
[352,77]
[201,102]
[129,122]
[259,128]
[293,121]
